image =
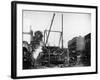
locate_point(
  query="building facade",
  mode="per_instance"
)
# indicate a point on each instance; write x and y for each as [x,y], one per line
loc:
[87,52]
[76,47]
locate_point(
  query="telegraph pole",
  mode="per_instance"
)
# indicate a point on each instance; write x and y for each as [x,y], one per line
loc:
[49,34]
[62,31]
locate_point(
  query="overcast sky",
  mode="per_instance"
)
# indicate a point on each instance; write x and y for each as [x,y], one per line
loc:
[74,24]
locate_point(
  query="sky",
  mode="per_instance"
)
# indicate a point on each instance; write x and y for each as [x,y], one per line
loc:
[74,24]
